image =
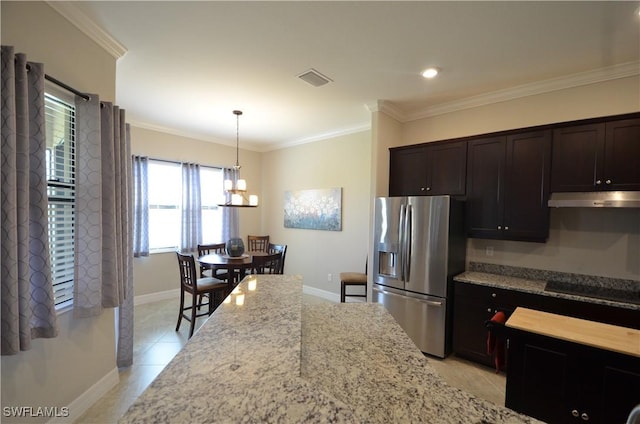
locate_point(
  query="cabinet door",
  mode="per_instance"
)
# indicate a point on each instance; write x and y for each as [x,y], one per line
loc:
[485,187]
[620,392]
[526,214]
[447,169]
[538,380]
[469,332]
[622,155]
[408,172]
[576,162]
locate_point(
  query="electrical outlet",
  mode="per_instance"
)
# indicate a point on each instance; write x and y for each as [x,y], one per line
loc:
[489,251]
[329,277]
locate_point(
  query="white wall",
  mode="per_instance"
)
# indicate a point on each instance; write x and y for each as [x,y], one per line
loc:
[159,272]
[589,241]
[338,162]
[55,372]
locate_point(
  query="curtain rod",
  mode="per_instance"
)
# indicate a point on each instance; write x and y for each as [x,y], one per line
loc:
[66,87]
[63,85]
[181,162]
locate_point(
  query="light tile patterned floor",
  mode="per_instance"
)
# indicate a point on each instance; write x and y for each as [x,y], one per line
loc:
[157,342]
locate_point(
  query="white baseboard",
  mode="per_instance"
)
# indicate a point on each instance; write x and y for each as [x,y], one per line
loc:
[321,293]
[334,297]
[155,297]
[82,403]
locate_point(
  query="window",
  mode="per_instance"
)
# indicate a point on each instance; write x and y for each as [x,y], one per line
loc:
[165,209]
[165,188]
[60,164]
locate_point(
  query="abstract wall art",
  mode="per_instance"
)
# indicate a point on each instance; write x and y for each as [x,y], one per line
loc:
[316,209]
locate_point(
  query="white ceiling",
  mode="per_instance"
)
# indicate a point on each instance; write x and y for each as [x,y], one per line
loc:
[187,65]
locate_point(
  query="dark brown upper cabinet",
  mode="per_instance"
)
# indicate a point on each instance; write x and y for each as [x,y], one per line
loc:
[508,186]
[599,156]
[425,170]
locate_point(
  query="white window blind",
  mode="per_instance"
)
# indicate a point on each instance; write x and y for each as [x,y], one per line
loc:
[60,162]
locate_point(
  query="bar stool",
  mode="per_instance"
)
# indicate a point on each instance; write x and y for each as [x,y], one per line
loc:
[352,279]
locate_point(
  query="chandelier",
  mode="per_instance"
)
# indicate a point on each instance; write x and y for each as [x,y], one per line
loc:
[236,190]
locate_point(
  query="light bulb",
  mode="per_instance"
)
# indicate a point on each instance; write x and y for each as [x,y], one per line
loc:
[236,199]
[430,73]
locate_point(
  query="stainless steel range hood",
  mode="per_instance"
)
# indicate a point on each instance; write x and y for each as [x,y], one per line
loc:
[596,199]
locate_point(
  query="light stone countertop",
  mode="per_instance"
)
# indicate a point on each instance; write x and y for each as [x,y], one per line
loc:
[274,359]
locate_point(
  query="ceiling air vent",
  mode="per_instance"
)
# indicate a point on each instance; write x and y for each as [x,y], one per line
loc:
[314,78]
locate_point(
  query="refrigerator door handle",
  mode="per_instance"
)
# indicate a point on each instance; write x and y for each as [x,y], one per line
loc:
[401,240]
[408,240]
[388,293]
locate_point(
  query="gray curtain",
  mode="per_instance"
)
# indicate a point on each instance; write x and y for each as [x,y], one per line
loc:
[103,226]
[191,234]
[28,309]
[88,276]
[140,206]
[230,216]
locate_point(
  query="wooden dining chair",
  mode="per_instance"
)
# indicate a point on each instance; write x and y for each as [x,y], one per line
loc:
[267,264]
[199,289]
[257,243]
[206,249]
[279,248]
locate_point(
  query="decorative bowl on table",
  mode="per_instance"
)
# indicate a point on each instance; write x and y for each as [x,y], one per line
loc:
[235,247]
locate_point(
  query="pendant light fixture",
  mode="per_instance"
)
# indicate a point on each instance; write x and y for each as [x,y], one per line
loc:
[236,191]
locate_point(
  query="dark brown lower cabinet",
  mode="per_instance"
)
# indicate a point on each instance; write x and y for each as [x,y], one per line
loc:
[563,382]
[473,304]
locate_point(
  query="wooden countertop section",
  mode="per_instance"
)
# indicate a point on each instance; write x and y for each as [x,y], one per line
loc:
[603,336]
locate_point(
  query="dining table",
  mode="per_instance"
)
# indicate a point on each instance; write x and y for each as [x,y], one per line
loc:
[236,266]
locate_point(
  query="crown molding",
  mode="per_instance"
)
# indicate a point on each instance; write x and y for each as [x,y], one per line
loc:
[247,146]
[319,137]
[187,134]
[389,108]
[79,19]
[622,70]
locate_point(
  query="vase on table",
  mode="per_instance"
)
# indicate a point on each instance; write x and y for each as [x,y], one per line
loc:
[235,247]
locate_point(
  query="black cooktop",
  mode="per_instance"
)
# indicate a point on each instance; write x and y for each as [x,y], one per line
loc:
[616,295]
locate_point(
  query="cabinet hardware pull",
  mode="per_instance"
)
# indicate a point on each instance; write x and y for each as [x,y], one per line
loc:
[506,228]
[584,416]
[428,188]
[499,227]
[608,181]
[598,182]
[493,295]
[489,310]
[575,413]
[421,188]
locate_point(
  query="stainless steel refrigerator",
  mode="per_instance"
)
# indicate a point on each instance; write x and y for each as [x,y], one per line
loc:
[419,246]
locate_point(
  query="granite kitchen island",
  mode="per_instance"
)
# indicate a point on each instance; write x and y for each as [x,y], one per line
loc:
[273,359]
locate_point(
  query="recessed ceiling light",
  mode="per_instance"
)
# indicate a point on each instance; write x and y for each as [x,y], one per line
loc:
[430,73]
